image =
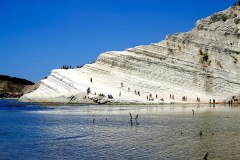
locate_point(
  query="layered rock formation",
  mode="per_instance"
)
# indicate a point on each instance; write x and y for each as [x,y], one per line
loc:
[204,63]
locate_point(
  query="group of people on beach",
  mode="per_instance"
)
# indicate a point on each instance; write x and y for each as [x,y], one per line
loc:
[232,100]
[129,90]
[100,94]
[150,97]
[210,101]
[229,101]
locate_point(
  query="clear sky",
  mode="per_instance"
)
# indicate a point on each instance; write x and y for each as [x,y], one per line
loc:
[37,36]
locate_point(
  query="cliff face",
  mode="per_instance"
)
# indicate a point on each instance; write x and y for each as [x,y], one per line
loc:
[12,87]
[204,62]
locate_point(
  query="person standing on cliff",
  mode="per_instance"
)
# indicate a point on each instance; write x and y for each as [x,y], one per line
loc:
[122,84]
[91,80]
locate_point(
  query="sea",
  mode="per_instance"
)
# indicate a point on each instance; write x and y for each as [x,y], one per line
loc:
[171,131]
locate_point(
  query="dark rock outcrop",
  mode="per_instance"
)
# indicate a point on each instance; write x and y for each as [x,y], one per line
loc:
[12,87]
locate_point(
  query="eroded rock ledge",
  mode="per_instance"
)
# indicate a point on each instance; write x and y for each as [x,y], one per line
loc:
[203,62]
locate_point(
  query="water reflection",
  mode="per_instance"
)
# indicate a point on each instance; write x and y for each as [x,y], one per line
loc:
[164,132]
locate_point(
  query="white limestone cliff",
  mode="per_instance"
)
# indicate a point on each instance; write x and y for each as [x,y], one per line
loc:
[204,63]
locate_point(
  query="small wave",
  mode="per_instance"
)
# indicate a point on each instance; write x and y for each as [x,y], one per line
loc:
[68,138]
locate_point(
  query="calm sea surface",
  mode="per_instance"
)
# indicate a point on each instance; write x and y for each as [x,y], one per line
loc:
[33,131]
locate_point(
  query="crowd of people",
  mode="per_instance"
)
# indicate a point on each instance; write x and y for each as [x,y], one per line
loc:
[150,97]
[80,66]
[66,67]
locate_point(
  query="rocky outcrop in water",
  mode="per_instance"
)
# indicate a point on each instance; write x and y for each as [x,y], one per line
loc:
[204,63]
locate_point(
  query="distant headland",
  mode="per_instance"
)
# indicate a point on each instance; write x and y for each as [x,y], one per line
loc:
[13,87]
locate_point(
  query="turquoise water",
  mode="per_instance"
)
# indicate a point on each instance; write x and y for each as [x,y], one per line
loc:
[31,131]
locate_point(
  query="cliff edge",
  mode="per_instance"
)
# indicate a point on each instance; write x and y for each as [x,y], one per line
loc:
[203,63]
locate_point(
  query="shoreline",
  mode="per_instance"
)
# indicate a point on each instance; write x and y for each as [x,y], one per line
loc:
[9,98]
[121,104]
[118,103]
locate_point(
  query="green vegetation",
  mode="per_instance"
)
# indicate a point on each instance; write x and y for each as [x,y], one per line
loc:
[12,87]
[15,80]
[204,55]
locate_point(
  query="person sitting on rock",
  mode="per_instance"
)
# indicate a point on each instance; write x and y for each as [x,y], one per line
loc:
[110,96]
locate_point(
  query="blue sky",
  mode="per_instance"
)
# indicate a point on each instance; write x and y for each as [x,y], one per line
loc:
[38,36]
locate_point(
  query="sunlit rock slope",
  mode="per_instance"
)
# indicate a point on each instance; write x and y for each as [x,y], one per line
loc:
[204,63]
